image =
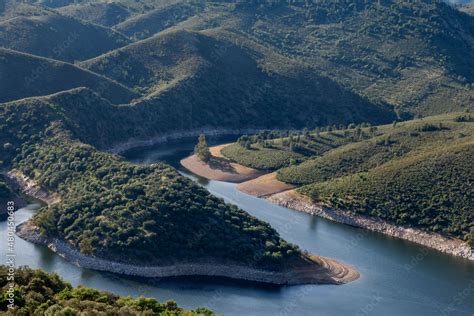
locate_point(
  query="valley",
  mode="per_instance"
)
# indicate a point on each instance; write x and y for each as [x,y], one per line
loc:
[352,112]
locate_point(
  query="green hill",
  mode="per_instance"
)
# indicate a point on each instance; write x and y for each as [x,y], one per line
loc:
[147,24]
[23,75]
[118,210]
[419,174]
[58,37]
[416,55]
[415,173]
[105,14]
[218,79]
[42,293]
[11,8]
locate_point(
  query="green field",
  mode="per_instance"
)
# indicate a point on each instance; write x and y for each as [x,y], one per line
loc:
[275,150]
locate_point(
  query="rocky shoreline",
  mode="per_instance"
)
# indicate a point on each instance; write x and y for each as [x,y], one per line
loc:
[296,201]
[31,188]
[289,198]
[326,271]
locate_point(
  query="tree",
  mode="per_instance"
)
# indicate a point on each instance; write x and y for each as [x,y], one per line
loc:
[470,237]
[202,150]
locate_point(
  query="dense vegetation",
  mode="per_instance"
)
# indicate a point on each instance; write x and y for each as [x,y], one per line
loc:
[411,54]
[58,37]
[210,80]
[24,75]
[411,173]
[226,64]
[113,208]
[431,190]
[197,64]
[40,293]
[119,210]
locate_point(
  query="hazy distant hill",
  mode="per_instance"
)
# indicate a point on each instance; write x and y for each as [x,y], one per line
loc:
[152,22]
[10,9]
[106,14]
[58,37]
[23,75]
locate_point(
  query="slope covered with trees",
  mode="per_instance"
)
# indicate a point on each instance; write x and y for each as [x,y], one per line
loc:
[416,173]
[23,75]
[228,81]
[117,210]
[265,64]
[415,55]
[120,211]
[41,293]
[164,16]
[58,37]
[105,14]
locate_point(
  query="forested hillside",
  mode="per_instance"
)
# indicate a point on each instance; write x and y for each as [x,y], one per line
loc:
[218,81]
[41,293]
[97,74]
[117,210]
[415,173]
[254,63]
[415,55]
[23,75]
[58,37]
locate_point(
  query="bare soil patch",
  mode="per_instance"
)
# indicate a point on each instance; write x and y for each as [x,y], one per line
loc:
[264,185]
[220,168]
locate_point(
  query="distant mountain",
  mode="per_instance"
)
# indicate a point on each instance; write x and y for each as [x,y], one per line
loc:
[106,14]
[10,9]
[416,55]
[58,37]
[152,22]
[23,75]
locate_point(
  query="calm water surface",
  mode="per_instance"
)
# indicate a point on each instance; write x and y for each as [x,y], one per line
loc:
[398,277]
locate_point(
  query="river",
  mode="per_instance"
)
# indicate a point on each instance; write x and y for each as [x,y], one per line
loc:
[397,277]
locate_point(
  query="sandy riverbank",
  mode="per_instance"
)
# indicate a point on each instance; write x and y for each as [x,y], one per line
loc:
[323,271]
[292,199]
[220,168]
[264,185]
